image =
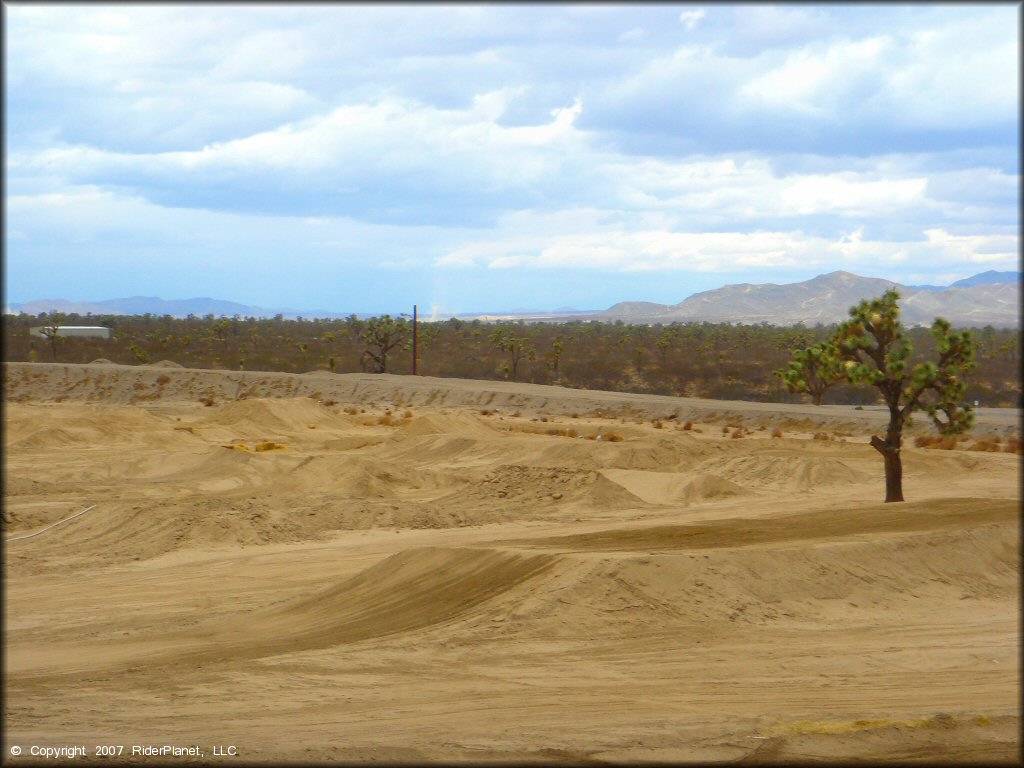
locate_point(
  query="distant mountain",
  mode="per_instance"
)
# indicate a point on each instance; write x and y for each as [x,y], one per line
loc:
[988,278]
[990,298]
[141,305]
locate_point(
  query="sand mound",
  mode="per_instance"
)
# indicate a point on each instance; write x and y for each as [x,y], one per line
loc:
[411,590]
[791,473]
[525,491]
[711,487]
[699,598]
[33,429]
[465,425]
[259,416]
[864,520]
[165,364]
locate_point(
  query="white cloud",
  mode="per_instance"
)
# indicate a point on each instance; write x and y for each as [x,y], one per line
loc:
[643,156]
[616,248]
[692,18]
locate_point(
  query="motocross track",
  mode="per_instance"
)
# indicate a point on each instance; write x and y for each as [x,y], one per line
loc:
[395,569]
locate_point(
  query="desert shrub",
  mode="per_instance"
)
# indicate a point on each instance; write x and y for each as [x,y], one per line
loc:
[351,411]
[207,401]
[658,424]
[822,436]
[776,432]
[486,412]
[738,434]
[986,443]
[613,437]
[1012,445]
[688,426]
[940,442]
[268,445]
[328,403]
[163,378]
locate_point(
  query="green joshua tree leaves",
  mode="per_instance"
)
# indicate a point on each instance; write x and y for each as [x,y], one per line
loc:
[380,335]
[813,370]
[872,348]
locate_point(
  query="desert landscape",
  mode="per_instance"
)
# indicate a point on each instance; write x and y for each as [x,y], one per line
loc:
[383,568]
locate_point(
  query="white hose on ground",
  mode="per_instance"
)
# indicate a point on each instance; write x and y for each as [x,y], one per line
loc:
[52,525]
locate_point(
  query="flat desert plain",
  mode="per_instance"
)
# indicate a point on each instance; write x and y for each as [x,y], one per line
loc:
[386,568]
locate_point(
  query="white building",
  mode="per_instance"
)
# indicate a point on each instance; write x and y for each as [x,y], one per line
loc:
[88,331]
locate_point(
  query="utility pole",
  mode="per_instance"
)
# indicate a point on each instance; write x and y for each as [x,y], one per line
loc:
[415,348]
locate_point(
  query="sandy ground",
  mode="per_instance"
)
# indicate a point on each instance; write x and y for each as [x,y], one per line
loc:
[417,580]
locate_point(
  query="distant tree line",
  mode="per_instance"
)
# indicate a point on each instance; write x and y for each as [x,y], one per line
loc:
[713,360]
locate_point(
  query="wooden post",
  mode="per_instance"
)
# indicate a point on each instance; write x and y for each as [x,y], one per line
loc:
[415,348]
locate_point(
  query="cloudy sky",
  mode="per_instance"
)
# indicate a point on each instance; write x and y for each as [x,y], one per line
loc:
[492,157]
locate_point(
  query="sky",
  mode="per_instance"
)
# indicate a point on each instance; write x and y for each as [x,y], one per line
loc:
[492,157]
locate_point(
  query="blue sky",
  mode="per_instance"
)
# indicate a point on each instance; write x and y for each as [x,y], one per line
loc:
[491,157]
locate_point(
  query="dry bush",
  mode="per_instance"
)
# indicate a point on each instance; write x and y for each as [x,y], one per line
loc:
[574,415]
[162,379]
[762,428]
[1012,445]
[543,418]
[986,443]
[822,436]
[939,442]
[387,420]
[207,401]
[776,432]
[613,437]
[407,414]
[351,411]
[267,445]
[657,423]
[328,403]
[725,430]
[571,433]
[738,434]
[139,385]
[486,412]
[688,426]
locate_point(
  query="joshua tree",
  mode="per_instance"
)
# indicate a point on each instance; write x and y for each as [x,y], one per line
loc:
[557,348]
[813,370]
[516,346]
[381,335]
[873,349]
[51,331]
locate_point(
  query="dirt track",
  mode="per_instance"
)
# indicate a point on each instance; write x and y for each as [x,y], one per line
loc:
[419,581]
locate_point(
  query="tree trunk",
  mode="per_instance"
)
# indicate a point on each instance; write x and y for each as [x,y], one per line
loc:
[890,450]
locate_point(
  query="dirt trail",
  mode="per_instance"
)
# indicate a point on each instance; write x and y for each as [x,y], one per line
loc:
[379,568]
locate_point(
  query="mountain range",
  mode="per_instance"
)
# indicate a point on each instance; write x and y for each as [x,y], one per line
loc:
[988,298]
[142,305]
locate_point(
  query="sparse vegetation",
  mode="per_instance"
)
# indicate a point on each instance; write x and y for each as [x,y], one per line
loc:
[709,360]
